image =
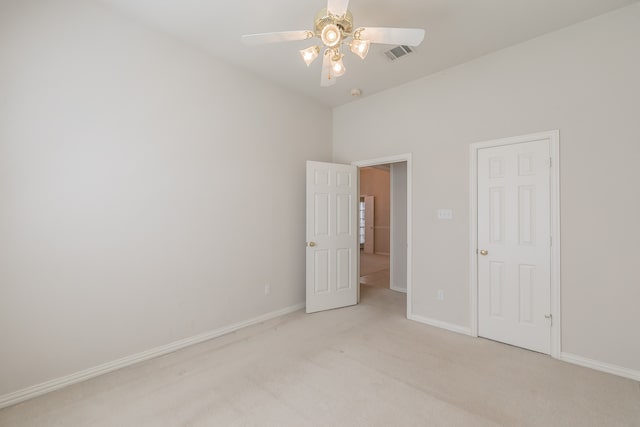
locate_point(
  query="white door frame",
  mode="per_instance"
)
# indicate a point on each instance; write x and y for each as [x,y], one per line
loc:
[554,184]
[397,159]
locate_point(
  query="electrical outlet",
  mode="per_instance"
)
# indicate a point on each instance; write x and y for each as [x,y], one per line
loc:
[440,295]
[267,289]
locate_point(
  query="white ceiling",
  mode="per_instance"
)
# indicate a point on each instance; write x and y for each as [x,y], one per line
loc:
[457,31]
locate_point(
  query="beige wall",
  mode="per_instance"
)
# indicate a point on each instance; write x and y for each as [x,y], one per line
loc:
[376,182]
[582,80]
[138,177]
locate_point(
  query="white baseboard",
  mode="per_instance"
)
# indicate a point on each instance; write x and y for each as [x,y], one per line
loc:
[600,366]
[440,324]
[394,288]
[58,383]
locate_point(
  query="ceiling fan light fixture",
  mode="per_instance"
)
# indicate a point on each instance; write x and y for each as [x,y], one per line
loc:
[310,54]
[360,47]
[331,35]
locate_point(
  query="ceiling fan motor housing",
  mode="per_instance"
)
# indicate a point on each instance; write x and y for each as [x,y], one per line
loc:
[324,18]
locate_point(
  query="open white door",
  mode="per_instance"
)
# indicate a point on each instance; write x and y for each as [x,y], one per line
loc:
[332,236]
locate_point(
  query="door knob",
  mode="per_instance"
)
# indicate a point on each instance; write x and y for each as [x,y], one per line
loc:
[312,244]
[484,252]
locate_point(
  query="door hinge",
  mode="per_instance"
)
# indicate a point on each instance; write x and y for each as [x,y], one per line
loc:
[550,317]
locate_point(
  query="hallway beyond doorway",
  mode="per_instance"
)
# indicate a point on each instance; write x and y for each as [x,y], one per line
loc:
[374,270]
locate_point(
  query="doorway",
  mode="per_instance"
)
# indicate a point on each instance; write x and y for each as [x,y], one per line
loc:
[384,189]
[332,249]
[375,225]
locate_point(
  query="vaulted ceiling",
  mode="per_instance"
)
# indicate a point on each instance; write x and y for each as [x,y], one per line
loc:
[457,31]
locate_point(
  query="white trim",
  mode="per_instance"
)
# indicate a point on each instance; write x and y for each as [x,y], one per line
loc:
[442,325]
[383,160]
[397,289]
[397,159]
[392,214]
[600,366]
[554,184]
[556,265]
[58,383]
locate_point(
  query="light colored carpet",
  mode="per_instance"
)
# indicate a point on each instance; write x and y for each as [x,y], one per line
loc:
[360,366]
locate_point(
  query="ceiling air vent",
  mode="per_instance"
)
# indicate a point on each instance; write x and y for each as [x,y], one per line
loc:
[398,52]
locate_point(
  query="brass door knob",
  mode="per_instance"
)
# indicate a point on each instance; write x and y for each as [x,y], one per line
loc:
[312,244]
[484,252]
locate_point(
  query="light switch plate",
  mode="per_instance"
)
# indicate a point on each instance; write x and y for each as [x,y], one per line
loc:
[445,214]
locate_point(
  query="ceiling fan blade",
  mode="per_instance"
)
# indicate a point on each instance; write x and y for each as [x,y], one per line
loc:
[338,7]
[326,79]
[402,36]
[282,36]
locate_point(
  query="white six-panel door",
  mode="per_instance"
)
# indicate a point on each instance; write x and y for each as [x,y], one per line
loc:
[332,236]
[514,256]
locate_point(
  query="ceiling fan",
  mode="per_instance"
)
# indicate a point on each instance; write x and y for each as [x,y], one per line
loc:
[334,27]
